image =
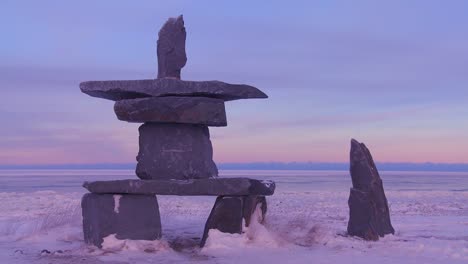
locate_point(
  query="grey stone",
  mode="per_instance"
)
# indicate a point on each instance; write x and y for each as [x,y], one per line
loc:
[251,203]
[172,109]
[216,187]
[131,89]
[229,212]
[369,216]
[226,216]
[175,151]
[171,48]
[127,216]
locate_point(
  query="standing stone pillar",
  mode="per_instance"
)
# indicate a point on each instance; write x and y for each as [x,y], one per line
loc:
[369,216]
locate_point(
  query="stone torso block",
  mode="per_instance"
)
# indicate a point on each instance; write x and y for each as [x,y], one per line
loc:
[175,151]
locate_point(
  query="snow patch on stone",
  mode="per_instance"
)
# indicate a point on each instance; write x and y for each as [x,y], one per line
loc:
[117,202]
[113,244]
[268,183]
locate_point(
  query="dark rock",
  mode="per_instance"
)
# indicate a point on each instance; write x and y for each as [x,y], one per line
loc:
[132,89]
[175,151]
[171,48]
[171,109]
[229,211]
[226,216]
[127,216]
[369,216]
[250,205]
[216,186]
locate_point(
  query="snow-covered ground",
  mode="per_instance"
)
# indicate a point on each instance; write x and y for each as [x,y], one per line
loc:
[301,227]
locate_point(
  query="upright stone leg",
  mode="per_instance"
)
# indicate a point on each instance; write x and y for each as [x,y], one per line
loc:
[127,216]
[226,216]
[250,205]
[229,211]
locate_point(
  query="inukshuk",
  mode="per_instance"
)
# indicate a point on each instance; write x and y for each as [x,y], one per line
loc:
[175,152]
[369,216]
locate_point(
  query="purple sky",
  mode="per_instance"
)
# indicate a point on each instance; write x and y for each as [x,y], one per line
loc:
[393,75]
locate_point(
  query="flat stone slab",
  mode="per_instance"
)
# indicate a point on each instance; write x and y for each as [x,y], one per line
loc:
[173,109]
[210,187]
[120,90]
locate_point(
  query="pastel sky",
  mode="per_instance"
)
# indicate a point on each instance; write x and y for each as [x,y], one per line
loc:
[393,74]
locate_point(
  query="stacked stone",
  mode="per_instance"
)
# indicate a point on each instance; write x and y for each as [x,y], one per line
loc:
[175,153]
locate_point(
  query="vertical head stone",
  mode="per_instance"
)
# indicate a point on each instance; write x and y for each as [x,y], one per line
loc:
[171,48]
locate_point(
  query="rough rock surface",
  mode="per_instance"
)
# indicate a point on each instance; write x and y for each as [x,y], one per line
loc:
[250,205]
[226,216]
[229,212]
[171,48]
[127,216]
[131,89]
[172,109]
[175,151]
[216,186]
[369,216]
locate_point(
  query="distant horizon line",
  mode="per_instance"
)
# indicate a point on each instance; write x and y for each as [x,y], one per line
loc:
[384,166]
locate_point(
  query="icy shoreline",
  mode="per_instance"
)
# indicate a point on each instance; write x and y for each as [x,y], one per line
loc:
[432,227]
